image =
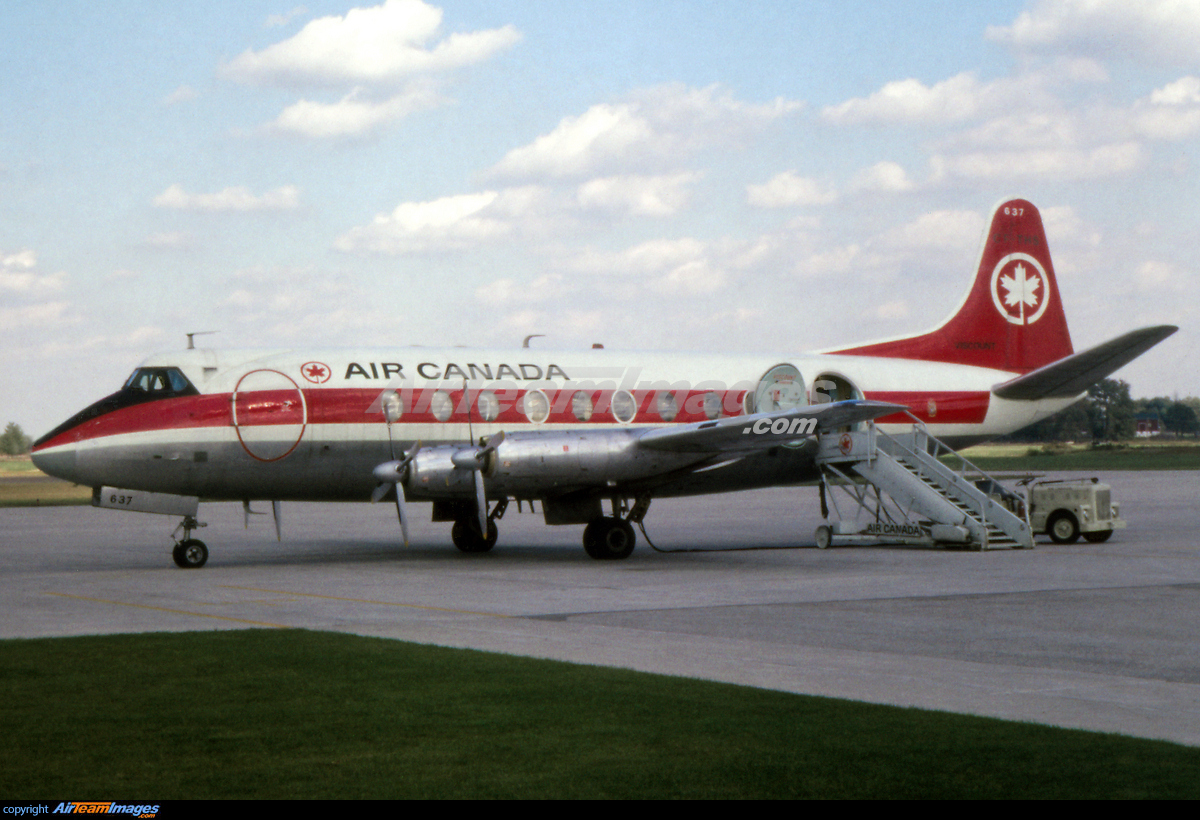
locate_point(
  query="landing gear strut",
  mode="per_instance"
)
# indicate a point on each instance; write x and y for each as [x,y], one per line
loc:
[189,553]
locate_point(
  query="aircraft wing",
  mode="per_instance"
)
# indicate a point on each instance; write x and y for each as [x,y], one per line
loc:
[1074,374]
[763,430]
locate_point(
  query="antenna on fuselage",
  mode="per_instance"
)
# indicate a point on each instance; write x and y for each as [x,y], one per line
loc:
[192,337]
[531,336]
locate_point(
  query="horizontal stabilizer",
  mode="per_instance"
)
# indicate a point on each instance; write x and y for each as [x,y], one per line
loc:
[1074,374]
[763,430]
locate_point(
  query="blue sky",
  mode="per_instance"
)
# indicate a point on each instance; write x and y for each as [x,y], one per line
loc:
[653,175]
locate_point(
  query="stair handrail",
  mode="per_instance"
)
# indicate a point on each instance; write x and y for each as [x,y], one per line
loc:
[941,447]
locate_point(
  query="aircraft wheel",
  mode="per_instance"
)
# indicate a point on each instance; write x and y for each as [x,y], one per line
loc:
[609,538]
[824,536]
[190,554]
[1098,537]
[1063,528]
[465,535]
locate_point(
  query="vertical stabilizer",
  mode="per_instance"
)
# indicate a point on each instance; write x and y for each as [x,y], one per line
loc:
[1012,318]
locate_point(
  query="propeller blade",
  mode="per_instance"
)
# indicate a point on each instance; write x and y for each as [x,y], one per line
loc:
[481,503]
[393,474]
[492,444]
[401,513]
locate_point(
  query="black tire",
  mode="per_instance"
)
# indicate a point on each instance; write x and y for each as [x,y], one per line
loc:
[465,535]
[190,554]
[609,539]
[1097,537]
[1063,528]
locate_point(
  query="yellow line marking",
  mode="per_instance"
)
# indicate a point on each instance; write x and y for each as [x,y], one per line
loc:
[173,611]
[367,601]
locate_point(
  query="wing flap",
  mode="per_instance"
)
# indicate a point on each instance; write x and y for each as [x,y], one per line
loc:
[1074,374]
[763,430]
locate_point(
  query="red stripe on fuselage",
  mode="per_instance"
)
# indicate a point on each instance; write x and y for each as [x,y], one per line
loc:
[937,407]
[362,406]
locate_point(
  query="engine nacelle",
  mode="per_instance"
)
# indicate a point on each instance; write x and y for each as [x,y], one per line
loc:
[434,474]
[534,465]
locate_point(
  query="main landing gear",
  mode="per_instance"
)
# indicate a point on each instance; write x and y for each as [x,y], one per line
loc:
[189,553]
[611,537]
[466,535]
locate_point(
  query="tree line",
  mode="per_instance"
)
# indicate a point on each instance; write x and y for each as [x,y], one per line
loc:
[1109,413]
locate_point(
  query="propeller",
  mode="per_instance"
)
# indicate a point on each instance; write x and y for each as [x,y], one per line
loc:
[394,473]
[476,460]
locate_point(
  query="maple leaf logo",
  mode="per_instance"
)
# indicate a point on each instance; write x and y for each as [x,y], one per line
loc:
[1019,288]
[316,372]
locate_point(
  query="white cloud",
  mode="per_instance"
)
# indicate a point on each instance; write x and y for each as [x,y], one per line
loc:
[1151,31]
[352,116]
[675,266]
[654,127]
[789,189]
[368,45]
[580,144]
[23,260]
[1171,112]
[911,101]
[450,223]
[1184,91]
[19,277]
[946,230]
[230,199]
[883,177]
[637,195]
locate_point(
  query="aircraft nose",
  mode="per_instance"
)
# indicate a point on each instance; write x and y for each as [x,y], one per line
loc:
[56,461]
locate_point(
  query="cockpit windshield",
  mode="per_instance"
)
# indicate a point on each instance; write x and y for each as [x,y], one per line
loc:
[160,382]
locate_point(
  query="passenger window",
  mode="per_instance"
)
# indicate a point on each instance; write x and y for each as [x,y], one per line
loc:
[536,406]
[624,407]
[667,406]
[582,406]
[441,405]
[489,405]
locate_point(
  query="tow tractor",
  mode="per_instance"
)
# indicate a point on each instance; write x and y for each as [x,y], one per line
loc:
[1067,508]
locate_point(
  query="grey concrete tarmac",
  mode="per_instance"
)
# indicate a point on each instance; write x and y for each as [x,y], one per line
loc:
[1094,636]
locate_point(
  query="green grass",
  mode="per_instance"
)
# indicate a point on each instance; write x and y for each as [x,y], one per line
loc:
[295,714]
[17,465]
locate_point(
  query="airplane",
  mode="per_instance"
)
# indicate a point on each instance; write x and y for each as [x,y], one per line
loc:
[472,429]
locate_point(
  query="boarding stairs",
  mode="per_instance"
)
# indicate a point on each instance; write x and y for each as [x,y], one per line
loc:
[908,494]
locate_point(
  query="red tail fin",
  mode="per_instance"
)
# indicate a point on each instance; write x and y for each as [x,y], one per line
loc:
[1012,318]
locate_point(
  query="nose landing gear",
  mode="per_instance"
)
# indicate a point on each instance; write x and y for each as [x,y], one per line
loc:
[189,553]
